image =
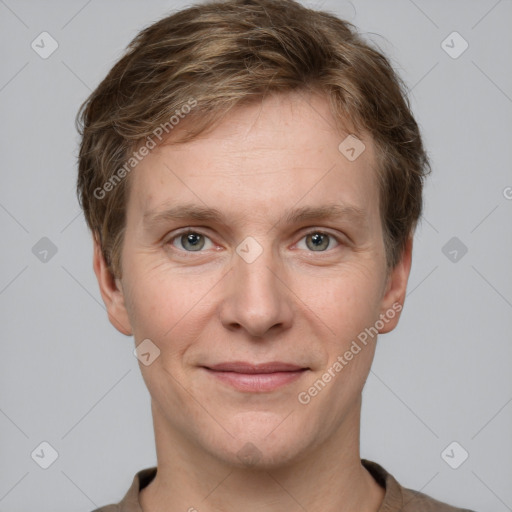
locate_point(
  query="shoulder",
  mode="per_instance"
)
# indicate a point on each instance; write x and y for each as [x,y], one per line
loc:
[414,501]
[401,499]
[130,502]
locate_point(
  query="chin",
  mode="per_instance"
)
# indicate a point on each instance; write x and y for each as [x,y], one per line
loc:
[258,456]
[263,443]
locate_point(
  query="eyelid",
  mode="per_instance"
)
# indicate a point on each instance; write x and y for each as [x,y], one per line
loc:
[168,240]
[338,238]
[303,233]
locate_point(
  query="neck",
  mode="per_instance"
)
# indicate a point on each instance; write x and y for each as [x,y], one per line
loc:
[329,478]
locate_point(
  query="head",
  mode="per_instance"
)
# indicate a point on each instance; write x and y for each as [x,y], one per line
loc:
[252,177]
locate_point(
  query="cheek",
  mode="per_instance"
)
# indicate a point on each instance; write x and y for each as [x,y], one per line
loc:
[168,308]
[347,300]
[348,305]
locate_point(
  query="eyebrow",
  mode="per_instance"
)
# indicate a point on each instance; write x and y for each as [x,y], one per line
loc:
[292,216]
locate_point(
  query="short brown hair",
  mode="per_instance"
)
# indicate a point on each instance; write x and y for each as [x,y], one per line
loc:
[217,55]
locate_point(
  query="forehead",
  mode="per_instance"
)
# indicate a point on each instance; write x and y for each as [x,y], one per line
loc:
[262,159]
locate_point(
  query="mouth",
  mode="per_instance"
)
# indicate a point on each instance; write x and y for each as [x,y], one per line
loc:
[256,378]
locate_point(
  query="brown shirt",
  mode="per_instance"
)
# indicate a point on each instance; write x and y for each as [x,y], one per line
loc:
[396,498]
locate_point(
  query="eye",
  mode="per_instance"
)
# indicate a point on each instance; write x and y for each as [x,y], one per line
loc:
[191,241]
[318,241]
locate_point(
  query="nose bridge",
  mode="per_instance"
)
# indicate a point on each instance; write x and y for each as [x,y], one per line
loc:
[257,300]
[258,278]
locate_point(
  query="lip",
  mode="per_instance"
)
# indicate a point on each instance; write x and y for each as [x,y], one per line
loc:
[262,377]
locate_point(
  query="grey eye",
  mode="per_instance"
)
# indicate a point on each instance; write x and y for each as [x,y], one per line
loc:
[317,241]
[192,241]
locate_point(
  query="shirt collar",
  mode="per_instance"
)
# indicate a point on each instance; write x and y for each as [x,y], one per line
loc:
[393,498]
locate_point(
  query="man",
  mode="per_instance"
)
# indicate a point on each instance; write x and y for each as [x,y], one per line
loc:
[252,177]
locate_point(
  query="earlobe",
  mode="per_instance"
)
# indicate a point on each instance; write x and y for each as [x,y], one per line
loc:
[111,292]
[396,287]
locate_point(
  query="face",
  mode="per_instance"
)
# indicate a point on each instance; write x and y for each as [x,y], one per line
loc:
[253,261]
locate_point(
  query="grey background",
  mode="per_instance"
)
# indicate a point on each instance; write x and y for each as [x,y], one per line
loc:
[69,378]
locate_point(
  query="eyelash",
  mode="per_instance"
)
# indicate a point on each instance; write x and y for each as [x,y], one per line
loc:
[187,231]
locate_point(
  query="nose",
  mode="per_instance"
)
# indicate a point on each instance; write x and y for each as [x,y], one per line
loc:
[257,298]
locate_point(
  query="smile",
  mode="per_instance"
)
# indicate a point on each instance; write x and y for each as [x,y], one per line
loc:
[256,378]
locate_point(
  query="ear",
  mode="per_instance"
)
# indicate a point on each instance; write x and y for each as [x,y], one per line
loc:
[396,286]
[111,292]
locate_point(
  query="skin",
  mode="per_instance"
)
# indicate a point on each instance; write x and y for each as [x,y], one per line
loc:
[294,303]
